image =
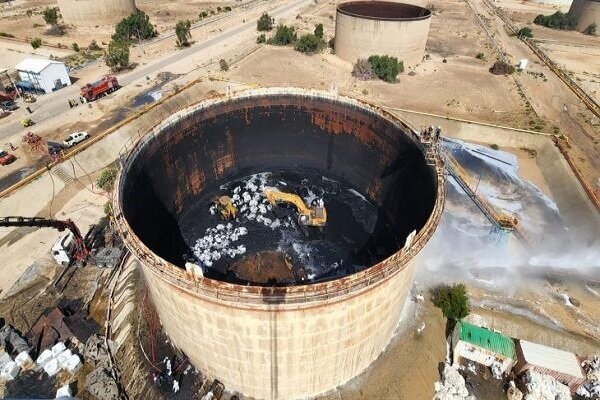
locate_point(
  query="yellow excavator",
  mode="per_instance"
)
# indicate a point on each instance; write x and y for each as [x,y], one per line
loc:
[315,215]
[225,206]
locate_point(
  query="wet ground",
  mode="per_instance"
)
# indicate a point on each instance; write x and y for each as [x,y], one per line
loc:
[352,238]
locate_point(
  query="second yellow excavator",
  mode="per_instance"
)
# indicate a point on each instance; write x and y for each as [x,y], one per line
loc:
[316,215]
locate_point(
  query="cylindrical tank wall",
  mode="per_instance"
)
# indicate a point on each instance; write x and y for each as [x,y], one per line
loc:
[282,352]
[278,342]
[95,12]
[587,13]
[553,2]
[358,37]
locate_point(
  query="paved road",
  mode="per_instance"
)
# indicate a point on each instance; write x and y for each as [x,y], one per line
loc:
[54,104]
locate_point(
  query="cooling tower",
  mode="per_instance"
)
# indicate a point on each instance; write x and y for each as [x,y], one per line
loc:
[587,13]
[95,12]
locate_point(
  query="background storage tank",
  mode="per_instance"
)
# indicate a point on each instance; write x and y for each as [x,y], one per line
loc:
[365,28]
[587,13]
[95,12]
[280,339]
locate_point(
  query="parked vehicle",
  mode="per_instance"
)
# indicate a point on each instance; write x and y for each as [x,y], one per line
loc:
[74,138]
[8,105]
[54,148]
[6,158]
[102,87]
[27,122]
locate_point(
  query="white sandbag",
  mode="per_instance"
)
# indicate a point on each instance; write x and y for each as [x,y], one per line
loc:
[58,348]
[44,357]
[63,357]
[24,361]
[10,371]
[51,367]
[4,359]
[73,364]
[64,391]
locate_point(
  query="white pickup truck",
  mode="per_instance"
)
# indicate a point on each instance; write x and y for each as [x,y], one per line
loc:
[74,138]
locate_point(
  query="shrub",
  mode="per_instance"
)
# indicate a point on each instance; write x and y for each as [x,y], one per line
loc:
[261,38]
[502,68]
[227,8]
[362,70]
[283,35]
[203,14]
[308,44]
[452,300]
[75,47]
[590,30]
[106,180]
[107,208]
[218,9]
[8,35]
[51,15]
[480,56]
[223,65]
[494,146]
[331,43]
[525,32]
[135,26]
[36,42]
[265,22]
[117,55]
[319,31]
[558,20]
[182,31]
[93,46]
[385,67]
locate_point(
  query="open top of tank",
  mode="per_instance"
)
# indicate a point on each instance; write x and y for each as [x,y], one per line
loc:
[384,10]
[278,189]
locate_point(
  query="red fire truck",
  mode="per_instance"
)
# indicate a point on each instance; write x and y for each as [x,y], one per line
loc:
[107,84]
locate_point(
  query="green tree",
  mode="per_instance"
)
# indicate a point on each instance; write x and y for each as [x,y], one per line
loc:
[51,15]
[36,42]
[106,180]
[223,65]
[308,44]
[452,300]
[261,38]
[265,22]
[319,31]
[182,30]
[93,46]
[525,32]
[203,14]
[385,67]
[117,55]
[558,20]
[283,35]
[135,27]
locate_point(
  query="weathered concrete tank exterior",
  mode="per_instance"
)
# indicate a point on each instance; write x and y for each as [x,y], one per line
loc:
[277,342]
[587,13]
[95,12]
[365,28]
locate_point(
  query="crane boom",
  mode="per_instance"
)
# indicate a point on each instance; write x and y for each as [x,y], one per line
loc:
[81,251]
[313,216]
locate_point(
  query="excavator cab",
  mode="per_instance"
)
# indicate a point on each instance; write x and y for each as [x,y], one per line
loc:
[315,215]
[224,204]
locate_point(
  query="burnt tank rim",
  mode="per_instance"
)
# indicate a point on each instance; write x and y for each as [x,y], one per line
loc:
[384,11]
[223,291]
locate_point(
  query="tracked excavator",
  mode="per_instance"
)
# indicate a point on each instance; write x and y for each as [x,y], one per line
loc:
[80,251]
[315,215]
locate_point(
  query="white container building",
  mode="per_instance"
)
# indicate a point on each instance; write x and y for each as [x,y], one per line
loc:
[42,74]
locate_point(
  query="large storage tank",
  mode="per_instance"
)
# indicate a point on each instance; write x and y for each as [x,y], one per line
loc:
[365,28]
[587,13]
[295,335]
[95,12]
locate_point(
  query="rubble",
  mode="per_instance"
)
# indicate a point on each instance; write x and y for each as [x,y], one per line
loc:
[64,391]
[542,387]
[101,384]
[452,387]
[24,361]
[591,388]
[95,352]
[13,341]
[512,393]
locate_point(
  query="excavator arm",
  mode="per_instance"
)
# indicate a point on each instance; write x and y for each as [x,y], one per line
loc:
[313,216]
[81,252]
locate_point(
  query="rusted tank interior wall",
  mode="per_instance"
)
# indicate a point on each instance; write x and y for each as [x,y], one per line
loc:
[245,136]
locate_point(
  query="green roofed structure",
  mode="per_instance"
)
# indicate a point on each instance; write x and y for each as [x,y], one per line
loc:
[483,346]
